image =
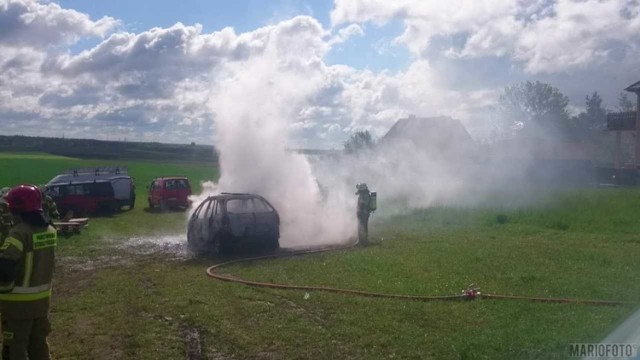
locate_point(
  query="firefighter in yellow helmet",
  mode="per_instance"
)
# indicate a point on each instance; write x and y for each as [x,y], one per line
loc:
[6,220]
[26,271]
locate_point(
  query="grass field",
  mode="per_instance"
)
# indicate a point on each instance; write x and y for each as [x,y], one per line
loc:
[40,168]
[117,302]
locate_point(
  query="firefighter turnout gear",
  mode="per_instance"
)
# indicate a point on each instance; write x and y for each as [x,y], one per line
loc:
[26,290]
[26,270]
[49,208]
[363,211]
[6,220]
[29,334]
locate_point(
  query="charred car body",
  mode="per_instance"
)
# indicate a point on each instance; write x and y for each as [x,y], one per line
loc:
[230,221]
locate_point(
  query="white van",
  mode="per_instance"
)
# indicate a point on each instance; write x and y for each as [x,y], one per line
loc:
[123,185]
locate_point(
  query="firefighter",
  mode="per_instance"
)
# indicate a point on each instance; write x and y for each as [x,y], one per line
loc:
[363,211]
[49,207]
[26,271]
[6,220]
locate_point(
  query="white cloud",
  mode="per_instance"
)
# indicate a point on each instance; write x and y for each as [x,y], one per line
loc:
[581,34]
[345,33]
[27,23]
[545,36]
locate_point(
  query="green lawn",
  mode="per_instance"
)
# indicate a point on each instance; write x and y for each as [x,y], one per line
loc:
[40,168]
[584,243]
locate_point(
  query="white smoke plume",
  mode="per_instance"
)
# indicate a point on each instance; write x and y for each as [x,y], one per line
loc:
[254,106]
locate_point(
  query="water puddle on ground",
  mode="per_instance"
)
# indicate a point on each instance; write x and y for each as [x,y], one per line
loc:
[125,252]
[174,246]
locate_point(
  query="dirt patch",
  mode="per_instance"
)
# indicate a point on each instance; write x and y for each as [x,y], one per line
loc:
[192,343]
[84,263]
[68,282]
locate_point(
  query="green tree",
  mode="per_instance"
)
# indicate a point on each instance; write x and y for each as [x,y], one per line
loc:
[358,141]
[624,104]
[595,116]
[534,109]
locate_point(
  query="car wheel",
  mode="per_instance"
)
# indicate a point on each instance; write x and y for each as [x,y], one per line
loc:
[163,205]
[132,203]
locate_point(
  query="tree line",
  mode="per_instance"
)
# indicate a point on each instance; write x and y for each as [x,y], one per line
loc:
[538,109]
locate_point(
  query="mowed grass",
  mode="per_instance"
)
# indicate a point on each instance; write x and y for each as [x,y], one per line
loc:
[582,244]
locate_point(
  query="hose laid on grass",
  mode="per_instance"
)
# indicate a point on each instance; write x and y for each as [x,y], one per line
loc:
[469,294]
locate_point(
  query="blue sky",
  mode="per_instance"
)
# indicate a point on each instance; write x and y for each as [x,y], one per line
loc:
[373,51]
[243,15]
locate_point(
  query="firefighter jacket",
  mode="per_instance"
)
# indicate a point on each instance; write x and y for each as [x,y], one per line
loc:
[6,220]
[26,269]
[363,204]
[50,209]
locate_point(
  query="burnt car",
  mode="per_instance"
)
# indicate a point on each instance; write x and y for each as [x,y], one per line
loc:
[230,221]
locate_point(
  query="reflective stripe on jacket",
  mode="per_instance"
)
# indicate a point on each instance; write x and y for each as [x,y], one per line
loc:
[33,249]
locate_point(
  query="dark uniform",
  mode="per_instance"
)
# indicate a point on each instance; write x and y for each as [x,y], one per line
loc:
[6,220]
[25,294]
[49,208]
[363,211]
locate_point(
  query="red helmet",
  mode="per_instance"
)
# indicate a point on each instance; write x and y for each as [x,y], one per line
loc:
[24,198]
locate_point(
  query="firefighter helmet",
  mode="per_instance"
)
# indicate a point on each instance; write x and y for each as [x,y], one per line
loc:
[361,187]
[24,198]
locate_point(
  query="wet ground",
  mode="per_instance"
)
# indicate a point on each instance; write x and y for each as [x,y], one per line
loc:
[125,252]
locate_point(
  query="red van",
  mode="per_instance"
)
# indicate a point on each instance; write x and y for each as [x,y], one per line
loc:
[84,197]
[169,192]
[90,190]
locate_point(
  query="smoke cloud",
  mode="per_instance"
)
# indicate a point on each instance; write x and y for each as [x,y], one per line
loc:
[254,107]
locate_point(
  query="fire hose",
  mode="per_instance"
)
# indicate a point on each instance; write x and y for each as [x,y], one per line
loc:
[472,292]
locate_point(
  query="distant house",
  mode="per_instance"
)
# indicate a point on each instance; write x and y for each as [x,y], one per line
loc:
[634,88]
[627,122]
[438,137]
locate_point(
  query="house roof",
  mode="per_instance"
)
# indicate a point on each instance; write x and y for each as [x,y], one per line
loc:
[634,87]
[436,134]
[440,129]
